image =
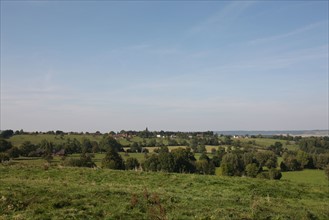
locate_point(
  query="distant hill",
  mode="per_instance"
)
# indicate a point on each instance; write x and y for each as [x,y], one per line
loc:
[282,132]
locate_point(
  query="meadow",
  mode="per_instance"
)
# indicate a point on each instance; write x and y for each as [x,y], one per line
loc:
[32,188]
[31,191]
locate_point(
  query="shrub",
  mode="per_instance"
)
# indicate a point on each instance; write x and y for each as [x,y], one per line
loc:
[132,163]
[4,157]
[274,174]
[84,161]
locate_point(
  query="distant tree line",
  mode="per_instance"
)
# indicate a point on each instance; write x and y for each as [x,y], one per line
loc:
[236,159]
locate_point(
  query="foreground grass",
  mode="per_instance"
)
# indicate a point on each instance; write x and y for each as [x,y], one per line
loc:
[30,192]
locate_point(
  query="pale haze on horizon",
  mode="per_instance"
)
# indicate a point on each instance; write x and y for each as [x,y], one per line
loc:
[165,65]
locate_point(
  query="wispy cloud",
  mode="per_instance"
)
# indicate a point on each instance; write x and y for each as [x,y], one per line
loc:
[223,17]
[270,62]
[290,33]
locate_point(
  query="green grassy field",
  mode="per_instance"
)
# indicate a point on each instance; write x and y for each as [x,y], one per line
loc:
[17,140]
[30,192]
[315,177]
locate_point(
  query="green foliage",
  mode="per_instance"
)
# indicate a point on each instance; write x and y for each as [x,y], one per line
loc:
[321,160]
[231,165]
[85,160]
[302,158]
[252,170]
[86,146]
[166,160]
[26,148]
[314,144]
[13,152]
[152,163]
[267,158]
[274,174]
[326,171]
[6,133]
[277,148]
[4,145]
[132,163]
[205,167]
[113,160]
[110,143]
[184,160]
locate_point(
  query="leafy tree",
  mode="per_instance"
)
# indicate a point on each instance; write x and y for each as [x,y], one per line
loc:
[172,142]
[95,147]
[277,148]
[184,160]
[132,163]
[205,167]
[194,144]
[152,163]
[13,152]
[26,148]
[113,160]
[201,148]
[4,145]
[248,158]
[302,158]
[216,159]
[228,140]
[109,142]
[49,148]
[204,156]
[72,146]
[166,160]
[290,164]
[152,143]
[227,169]
[267,158]
[231,165]
[58,132]
[134,147]
[86,146]
[252,170]
[6,134]
[321,160]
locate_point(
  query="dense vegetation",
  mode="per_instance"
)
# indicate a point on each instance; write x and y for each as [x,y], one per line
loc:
[38,183]
[236,156]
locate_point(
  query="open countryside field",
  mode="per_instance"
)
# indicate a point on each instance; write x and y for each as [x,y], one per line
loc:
[17,140]
[316,177]
[30,192]
[32,188]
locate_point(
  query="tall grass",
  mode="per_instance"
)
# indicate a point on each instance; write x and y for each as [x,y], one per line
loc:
[32,192]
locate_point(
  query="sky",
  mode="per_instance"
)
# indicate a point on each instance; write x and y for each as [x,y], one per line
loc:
[166,65]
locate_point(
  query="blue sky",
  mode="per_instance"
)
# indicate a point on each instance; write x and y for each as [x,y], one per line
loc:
[188,65]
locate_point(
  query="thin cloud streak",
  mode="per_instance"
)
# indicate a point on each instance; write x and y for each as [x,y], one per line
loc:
[222,18]
[289,34]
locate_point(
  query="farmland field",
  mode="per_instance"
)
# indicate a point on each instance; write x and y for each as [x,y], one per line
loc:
[28,191]
[31,188]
